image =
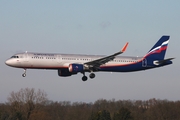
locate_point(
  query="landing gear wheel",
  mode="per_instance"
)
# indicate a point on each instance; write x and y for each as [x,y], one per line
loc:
[84,78]
[92,75]
[24,75]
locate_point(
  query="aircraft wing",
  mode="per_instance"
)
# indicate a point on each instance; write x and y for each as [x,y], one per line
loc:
[98,62]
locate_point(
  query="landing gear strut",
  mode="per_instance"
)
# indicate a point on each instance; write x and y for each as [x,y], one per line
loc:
[24,74]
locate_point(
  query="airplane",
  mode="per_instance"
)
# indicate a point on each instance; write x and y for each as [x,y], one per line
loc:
[71,64]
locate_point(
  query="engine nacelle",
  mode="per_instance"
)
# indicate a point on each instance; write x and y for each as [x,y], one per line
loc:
[75,68]
[64,72]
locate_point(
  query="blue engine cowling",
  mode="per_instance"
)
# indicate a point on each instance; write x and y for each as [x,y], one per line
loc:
[75,68]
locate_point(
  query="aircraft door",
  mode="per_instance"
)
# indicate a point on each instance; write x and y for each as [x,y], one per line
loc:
[59,58]
[144,62]
[25,57]
[25,60]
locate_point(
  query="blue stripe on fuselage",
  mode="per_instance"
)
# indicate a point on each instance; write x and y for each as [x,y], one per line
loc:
[123,68]
[131,67]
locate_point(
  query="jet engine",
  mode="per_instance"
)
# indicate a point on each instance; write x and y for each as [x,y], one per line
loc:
[75,68]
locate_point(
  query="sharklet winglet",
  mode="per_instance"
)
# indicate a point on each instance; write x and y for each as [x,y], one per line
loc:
[124,48]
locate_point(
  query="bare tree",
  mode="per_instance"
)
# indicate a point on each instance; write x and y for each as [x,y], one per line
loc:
[26,102]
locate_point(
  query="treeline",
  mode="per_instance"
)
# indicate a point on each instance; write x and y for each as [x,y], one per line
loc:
[28,104]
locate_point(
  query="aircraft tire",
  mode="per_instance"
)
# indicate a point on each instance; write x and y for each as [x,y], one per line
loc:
[92,75]
[84,78]
[24,75]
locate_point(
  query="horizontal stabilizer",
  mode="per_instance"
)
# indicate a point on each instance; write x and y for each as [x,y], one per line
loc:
[159,62]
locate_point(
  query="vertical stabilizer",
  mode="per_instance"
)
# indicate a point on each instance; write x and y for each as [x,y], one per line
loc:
[158,51]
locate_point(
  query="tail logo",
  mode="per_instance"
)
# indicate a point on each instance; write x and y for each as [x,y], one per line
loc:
[160,48]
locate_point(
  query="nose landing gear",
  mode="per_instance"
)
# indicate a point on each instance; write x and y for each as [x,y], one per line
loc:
[24,74]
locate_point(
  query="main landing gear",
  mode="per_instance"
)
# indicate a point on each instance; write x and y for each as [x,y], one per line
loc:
[24,74]
[91,75]
[84,78]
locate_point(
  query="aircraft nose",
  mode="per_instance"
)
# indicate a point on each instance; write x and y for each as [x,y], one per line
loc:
[8,62]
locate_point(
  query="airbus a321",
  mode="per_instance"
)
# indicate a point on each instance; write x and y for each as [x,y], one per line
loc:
[71,64]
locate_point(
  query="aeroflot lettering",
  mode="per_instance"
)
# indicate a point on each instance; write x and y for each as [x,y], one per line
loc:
[43,54]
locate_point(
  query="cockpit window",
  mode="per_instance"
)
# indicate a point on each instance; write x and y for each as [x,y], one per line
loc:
[15,57]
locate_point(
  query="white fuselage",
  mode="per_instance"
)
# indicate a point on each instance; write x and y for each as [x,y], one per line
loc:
[57,61]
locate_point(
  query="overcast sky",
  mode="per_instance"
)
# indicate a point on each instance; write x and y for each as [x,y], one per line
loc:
[90,27]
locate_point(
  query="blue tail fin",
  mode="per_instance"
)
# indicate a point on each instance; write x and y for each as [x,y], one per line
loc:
[158,51]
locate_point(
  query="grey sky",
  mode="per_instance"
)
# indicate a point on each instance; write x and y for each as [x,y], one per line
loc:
[90,27]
